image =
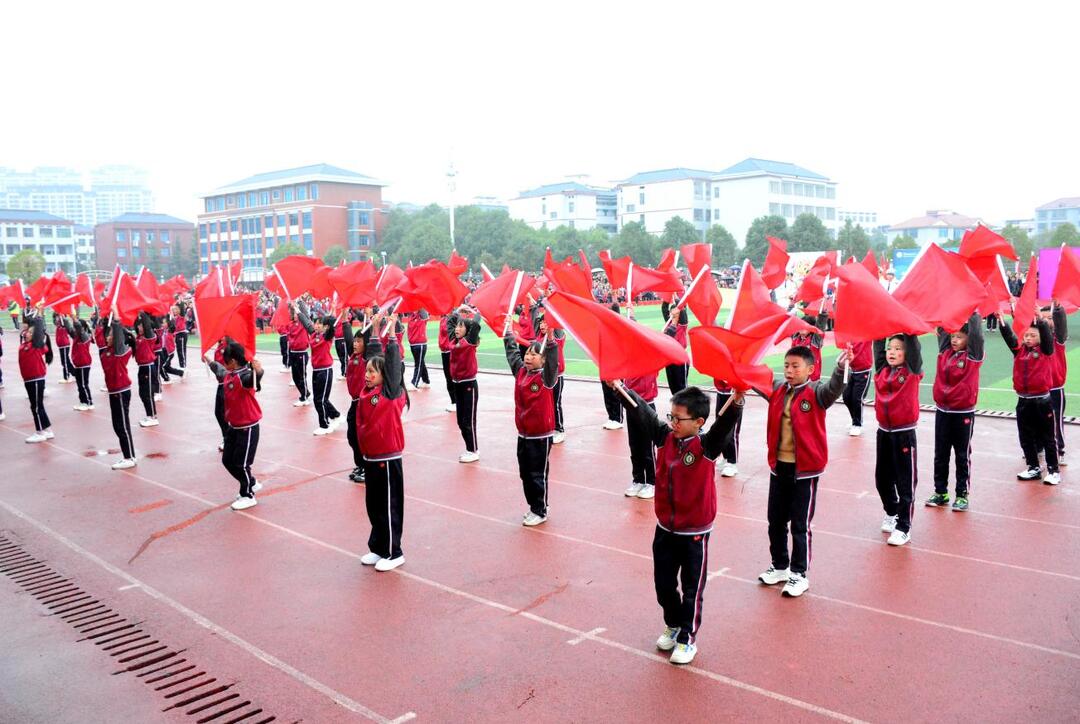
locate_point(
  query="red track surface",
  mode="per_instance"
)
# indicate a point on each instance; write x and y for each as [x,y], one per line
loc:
[977,619]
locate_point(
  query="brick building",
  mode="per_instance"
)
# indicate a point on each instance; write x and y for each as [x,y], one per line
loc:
[134,240]
[315,207]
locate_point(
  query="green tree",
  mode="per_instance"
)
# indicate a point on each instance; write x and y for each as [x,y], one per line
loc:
[640,245]
[879,242]
[756,246]
[190,264]
[679,231]
[1020,240]
[809,234]
[852,241]
[27,265]
[289,249]
[1064,234]
[153,260]
[425,240]
[335,255]
[725,251]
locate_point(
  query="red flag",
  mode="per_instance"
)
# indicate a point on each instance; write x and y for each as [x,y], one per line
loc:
[752,301]
[866,312]
[354,283]
[669,258]
[1067,284]
[231,316]
[703,298]
[615,269]
[212,285]
[296,273]
[696,256]
[774,271]
[175,285]
[281,315]
[148,285]
[320,286]
[37,289]
[457,264]
[983,242]
[568,276]
[813,284]
[940,288]
[234,271]
[85,291]
[125,301]
[13,292]
[988,270]
[722,354]
[1024,310]
[390,276]
[619,347]
[273,284]
[432,286]
[493,298]
[643,279]
[870,262]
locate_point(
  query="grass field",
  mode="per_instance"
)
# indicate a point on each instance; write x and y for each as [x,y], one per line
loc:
[996,391]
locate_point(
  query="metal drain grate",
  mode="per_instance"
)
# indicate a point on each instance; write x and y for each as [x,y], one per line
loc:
[183,683]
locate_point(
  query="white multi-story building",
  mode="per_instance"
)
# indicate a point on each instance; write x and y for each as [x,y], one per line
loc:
[866,219]
[652,198]
[49,235]
[568,203]
[759,187]
[84,247]
[937,226]
[113,190]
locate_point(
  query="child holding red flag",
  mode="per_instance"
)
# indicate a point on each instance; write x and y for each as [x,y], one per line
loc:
[642,457]
[535,378]
[862,363]
[611,400]
[178,317]
[813,341]
[146,359]
[63,346]
[1059,325]
[1033,362]
[798,453]
[730,452]
[240,380]
[35,354]
[898,361]
[355,380]
[557,338]
[81,359]
[114,365]
[956,392]
[321,335]
[685,469]
[463,343]
[298,357]
[676,374]
[444,353]
[416,329]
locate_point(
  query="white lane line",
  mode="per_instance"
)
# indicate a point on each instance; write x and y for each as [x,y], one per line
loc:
[587,636]
[714,574]
[129,587]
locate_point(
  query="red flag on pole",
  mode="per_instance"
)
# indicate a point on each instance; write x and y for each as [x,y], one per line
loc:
[354,283]
[1067,284]
[866,312]
[231,316]
[85,291]
[320,286]
[619,347]
[390,276]
[645,280]
[568,276]
[273,284]
[615,269]
[988,270]
[1025,309]
[722,354]
[457,264]
[296,273]
[281,316]
[813,284]
[752,300]
[983,242]
[696,256]
[940,289]
[774,271]
[212,285]
[669,259]
[703,298]
[493,298]
[37,289]
[125,301]
[432,286]
[870,262]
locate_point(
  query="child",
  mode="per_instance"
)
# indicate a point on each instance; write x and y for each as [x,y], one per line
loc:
[340,346]
[81,359]
[146,359]
[219,394]
[63,345]
[798,454]
[35,354]
[444,353]
[355,373]
[685,468]
[862,363]
[382,438]
[114,363]
[463,344]
[611,400]
[283,345]
[156,372]
[813,341]
[320,335]
[557,339]
[180,334]
[642,458]
[676,374]
[1059,325]
[1033,363]
[731,449]
[416,324]
[956,392]
[896,402]
[240,380]
[298,357]
[535,378]
[168,349]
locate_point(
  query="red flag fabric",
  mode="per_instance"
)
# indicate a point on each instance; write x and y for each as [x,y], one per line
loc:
[722,354]
[668,258]
[866,312]
[1067,284]
[752,301]
[619,347]
[696,256]
[36,290]
[983,242]
[940,288]
[813,284]
[703,298]
[390,276]
[1025,309]
[150,289]
[354,283]
[870,262]
[568,276]
[645,279]
[273,284]
[85,291]
[281,316]
[212,285]
[457,264]
[234,271]
[296,273]
[615,269]
[492,298]
[125,301]
[774,271]
[320,286]
[432,286]
[988,270]
[13,292]
[175,285]
[231,316]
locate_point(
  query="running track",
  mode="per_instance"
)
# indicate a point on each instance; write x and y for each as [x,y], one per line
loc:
[977,619]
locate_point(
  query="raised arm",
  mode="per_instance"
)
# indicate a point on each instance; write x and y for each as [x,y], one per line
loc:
[722,429]
[1046,337]
[1061,324]
[551,363]
[644,416]
[976,340]
[913,353]
[879,355]
[218,369]
[1009,336]
[392,380]
[829,391]
[513,354]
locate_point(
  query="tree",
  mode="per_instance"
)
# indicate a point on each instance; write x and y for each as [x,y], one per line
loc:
[725,251]
[756,245]
[901,242]
[879,242]
[289,249]
[153,260]
[1019,239]
[852,241]
[27,265]
[1065,234]
[190,263]
[640,245]
[425,240]
[679,231]
[335,255]
[809,234]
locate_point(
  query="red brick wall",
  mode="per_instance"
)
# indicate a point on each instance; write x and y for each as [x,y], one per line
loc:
[181,237]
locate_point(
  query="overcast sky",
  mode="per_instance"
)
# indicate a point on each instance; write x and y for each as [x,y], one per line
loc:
[908,106]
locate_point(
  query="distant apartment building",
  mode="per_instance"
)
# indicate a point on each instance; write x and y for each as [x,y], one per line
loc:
[866,219]
[652,198]
[47,234]
[569,203]
[134,240]
[112,191]
[315,207]
[85,254]
[1060,211]
[937,226]
[1027,225]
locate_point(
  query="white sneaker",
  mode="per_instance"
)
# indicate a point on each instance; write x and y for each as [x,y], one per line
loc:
[80,408]
[898,538]
[451,407]
[244,503]
[47,434]
[612,425]
[3,416]
[256,487]
[308,402]
[1052,479]
[410,387]
[468,457]
[647,492]
[633,490]
[284,370]
[855,431]
[221,446]
[559,439]
[424,384]
[683,654]
[123,464]
[157,397]
[89,407]
[167,382]
[532,519]
[796,585]
[322,431]
[103,389]
[36,437]
[667,641]
[298,403]
[370,559]
[773,576]
[388,564]
[888,523]
[1029,474]
[729,470]
[148,422]
[1061,460]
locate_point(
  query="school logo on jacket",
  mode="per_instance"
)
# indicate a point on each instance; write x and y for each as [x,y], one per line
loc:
[534,387]
[689,458]
[374,400]
[805,405]
[230,385]
[901,379]
[1034,355]
[960,364]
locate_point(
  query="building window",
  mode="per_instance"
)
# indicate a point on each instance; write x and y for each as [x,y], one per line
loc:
[786,188]
[716,191]
[820,190]
[164,235]
[774,209]
[943,233]
[293,220]
[149,236]
[28,232]
[269,242]
[697,189]
[294,238]
[570,223]
[135,252]
[314,188]
[571,207]
[365,218]
[230,200]
[553,215]
[165,251]
[630,208]
[306,218]
[220,203]
[232,225]
[641,198]
[251,198]
[281,221]
[641,219]
[213,247]
[365,240]
[46,232]
[11,231]
[209,205]
[301,193]
[774,187]
[830,213]
[205,267]
[268,222]
[202,231]
[121,253]
[281,241]
[698,216]
[308,242]
[236,245]
[830,192]
[202,249]
[136,237]
[121,236]
[277,194]
[786,210]
[48,249]
[264,198]
[288,193]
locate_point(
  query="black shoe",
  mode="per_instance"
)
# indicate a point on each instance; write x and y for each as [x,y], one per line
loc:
[938,500]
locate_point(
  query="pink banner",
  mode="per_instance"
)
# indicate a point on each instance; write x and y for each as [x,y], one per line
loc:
[1049,259]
